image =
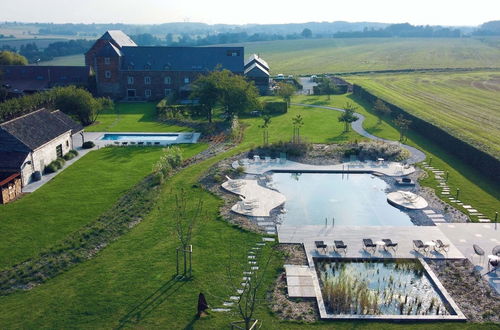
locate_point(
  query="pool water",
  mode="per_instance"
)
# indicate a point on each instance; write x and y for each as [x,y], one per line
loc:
[350,199]
[140,137]
[399,287]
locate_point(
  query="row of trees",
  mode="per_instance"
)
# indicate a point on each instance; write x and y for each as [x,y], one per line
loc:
[74,101]
[55,49]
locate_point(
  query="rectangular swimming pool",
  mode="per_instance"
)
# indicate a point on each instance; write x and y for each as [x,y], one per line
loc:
[139,137]
[350,199]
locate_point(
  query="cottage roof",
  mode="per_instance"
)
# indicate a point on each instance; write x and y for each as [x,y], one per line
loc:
[34,129]
[254,58]
[119,37]
[21,78]
[12,161]
[182,58]
[73,125]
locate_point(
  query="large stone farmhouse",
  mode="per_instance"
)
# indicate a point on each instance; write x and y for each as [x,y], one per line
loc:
[124,70]
[30,142]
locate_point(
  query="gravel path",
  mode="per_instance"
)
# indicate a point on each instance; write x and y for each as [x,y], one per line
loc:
[416,155]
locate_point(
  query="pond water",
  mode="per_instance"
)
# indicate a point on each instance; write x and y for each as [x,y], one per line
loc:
[350,199]
[378,288]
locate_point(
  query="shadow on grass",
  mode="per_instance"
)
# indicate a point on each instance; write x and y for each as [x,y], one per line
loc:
[150,303]
[343,137]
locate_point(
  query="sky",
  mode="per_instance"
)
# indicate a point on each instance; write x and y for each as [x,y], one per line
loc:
[417,12]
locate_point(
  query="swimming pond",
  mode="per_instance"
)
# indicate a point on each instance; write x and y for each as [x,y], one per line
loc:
[348,199]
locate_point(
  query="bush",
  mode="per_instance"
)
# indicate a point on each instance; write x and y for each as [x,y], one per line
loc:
[60,162]
[70,155]
[51,168]
[88,145]
[275,107]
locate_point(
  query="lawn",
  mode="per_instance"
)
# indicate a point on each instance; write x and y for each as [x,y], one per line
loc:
[73,199]
[467,105]
[315,56]
[132,117]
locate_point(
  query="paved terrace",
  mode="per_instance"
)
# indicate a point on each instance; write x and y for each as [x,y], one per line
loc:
[263,166]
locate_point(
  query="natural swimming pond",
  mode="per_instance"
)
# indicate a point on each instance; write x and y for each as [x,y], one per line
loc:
[350,199]
[367,287]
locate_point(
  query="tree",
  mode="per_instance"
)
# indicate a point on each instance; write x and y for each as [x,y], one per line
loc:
[306,33]
[381,109]
[403,125]
[297,123]
[348,116]
[11,58]
[206,90]
[325,86]
[265,131]
[285,91]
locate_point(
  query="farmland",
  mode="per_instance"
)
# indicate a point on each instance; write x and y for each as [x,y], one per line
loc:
[464,104]
[70,60]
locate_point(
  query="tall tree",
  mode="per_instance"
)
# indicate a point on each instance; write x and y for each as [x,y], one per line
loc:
[403,124]
[206,90]
[381,109]
[285,91]
[11,58]
[348,116]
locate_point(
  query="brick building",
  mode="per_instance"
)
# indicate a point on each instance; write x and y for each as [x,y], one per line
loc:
[124,70]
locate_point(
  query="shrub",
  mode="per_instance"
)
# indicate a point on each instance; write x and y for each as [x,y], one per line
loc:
[275,107]
[51,168]
[70,155]
[88,145]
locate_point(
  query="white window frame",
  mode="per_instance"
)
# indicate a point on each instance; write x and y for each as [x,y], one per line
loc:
[107,60]
[130,80]
[107,74]
[167,80]
[186,80]
[147,93]
[147,80]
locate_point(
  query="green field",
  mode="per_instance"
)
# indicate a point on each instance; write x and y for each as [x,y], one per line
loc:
[467,105]
[360,54]
[71,60]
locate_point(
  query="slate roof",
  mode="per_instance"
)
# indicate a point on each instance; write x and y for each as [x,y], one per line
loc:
[21,78]
[12,161]
[109,50]
[258,71]
[73,125]
[182,58]
[254,58]
[119,37]
[32,130]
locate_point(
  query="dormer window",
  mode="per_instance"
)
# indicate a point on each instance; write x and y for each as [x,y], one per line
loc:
[167,80]
[147,80]
[107,60]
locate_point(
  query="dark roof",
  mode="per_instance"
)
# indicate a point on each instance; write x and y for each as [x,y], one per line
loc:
[254,58]
[12,161]
[119,37]
[34,129]
[21,78]
[108,50]
[10,143]
[256,70]
[73,125]
[182,58]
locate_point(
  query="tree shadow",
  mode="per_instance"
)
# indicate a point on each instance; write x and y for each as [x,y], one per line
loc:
[150,303]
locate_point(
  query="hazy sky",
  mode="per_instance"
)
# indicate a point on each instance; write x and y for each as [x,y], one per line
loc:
[433,12]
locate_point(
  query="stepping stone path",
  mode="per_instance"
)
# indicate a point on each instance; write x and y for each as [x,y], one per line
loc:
[429,212]
[247,276]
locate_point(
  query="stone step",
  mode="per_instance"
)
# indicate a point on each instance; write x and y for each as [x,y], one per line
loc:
[247,273]
[429,211]
[252,262]
[271,232]
[467,206]
[472,210]
[246,278]
[260,244]
[484,220]
[239,291]
[268,239]
[254,268]
[220,310]
[234,298]
[266,223]
[228,303]
[251,257]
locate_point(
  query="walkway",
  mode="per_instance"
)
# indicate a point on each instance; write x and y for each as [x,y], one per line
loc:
[416,155]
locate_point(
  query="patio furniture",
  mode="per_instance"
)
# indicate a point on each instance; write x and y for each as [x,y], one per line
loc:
[478,251]
[493,261]
[380,244]
[430,245]
[339,245]
[496,250]
[320,245]
[441,246]
[418,245]
[368,244]
[390,244]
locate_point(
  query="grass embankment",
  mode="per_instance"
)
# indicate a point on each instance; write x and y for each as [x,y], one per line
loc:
[132,117]
[73,199]
[467,105]
[475,189]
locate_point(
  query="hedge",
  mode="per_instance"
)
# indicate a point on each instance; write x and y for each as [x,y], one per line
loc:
[275,107]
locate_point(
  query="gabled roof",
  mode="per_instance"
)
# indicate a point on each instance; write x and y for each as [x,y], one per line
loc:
[182,58]
[34,129]
[12,161]
[254,58]
[256,70]
[109,50]
[119,37]
[73,125]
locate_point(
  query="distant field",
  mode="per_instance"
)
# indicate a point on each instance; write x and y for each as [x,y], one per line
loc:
[71,60]
[465,104]
[365,54]
[40,42]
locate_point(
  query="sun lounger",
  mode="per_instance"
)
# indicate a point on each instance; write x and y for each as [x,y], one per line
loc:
[418,246]
[339,245]
[368,244]
[441,246]
[390,244]
[320,245]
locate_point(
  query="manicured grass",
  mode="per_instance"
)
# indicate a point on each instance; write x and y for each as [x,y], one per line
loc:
[475,189]
[315,56]
[467,105]
[132,117]
[72,199]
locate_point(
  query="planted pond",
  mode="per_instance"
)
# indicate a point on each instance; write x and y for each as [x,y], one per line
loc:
[369,287]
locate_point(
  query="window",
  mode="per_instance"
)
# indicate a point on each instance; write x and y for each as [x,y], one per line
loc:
[147,80]
[233,52]
[147,93]
[168,91]
[67,143]
[59,151]
[107,74]
[107,60]
[186,80]
[130,80]
[167,80]
[130,92]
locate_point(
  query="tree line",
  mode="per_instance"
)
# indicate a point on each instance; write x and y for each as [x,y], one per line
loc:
[403,30]
[55,49]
